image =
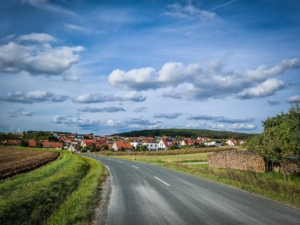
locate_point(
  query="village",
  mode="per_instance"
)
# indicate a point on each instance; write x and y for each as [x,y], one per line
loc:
[89,142]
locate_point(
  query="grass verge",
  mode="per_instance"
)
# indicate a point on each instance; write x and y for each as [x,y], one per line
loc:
[40,196]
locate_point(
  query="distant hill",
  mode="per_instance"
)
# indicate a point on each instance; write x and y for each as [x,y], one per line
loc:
[187,133]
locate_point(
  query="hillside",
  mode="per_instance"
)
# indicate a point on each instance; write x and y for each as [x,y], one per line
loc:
[187,133]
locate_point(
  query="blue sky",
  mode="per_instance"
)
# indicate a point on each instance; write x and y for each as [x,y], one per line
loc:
[105,67]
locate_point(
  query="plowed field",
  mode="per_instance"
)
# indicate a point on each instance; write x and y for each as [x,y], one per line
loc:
[15,161]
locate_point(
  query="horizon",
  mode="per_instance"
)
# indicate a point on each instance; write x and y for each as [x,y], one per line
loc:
[113,67]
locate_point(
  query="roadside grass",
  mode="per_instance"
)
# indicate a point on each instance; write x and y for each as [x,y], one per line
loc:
[169,152]
[57,193]
[269,185]
[196,157]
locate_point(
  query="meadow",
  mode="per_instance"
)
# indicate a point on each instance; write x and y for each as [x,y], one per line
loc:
[64,191]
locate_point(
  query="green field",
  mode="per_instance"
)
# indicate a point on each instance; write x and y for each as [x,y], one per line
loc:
[64,191]
[197,157]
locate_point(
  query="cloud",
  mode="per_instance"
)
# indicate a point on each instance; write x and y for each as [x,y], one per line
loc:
[99,98]
[219,119]
[32,96]
[261,73]
[203,81]
[52,8]
[37,59]
[141,109]
[242,127]
[105,109]
[189,11]
[273,102]
[294,99]
[141,121]
[58,119]
[172,94]
[70,78]
[82,29]
[37,37]
[20,112]
[267,88]
[167,116]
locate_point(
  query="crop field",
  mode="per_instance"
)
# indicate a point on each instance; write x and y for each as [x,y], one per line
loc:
[14,161]
[64,191]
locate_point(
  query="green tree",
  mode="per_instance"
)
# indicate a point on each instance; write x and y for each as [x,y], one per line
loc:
[39,145]
[281,136]
[23,143]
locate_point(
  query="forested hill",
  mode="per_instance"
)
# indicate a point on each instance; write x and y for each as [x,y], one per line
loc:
[189,133]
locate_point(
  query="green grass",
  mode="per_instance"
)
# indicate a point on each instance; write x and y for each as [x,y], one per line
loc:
[197,157]
[61,192]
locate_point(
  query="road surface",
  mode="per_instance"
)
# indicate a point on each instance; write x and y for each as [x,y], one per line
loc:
[146,194]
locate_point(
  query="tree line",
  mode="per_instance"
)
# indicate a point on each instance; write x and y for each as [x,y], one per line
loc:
[188,133]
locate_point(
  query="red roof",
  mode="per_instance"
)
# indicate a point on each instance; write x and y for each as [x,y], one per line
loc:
[124,144]
[51,144]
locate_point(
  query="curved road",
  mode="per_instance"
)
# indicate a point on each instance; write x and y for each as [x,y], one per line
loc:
[146,194]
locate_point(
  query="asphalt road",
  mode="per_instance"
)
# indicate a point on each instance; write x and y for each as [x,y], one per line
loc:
[146,194]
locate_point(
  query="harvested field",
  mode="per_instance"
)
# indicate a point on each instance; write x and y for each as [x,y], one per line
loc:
[14,161]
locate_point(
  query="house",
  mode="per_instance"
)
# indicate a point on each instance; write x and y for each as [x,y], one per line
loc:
[73,148]
[151,145]
[135,144]
[10,142]
[231,142]
[213,143]
[32,143]
[120,145]
[52,144]
[187,142]
[165,143]
[86,142]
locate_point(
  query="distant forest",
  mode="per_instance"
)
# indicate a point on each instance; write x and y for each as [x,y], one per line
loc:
[188,133]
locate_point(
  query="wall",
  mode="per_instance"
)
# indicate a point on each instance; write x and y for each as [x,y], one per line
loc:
[241,160]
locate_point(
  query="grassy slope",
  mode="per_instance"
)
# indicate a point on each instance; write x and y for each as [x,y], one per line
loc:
[43,196]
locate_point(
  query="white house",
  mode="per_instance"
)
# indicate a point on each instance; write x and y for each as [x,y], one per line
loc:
[231,142]
[151,145]
[213,143]
[134,144]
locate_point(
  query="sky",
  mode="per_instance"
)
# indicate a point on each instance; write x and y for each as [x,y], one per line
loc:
[106,67]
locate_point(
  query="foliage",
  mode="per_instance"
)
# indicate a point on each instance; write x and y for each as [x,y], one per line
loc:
[38,145]
[23,143]
[187,133]
[281,136]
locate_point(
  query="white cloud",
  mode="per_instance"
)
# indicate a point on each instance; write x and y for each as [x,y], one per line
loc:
[202,81]
[293,99]
[188,11]
[37,59]
[219,119]
[99,98]
[104,109]
[58,119]
[32,96]
[141,109]
[242,127]
[37,37]
[267,88]
[167,115]
[20,112]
